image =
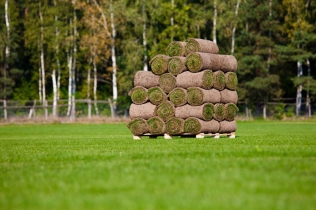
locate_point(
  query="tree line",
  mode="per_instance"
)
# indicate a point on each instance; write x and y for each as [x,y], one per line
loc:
[91,49]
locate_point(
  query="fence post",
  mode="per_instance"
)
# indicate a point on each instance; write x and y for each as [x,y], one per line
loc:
[89,108]
[5,109]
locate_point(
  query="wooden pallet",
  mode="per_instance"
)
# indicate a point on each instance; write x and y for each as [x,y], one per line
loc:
[198,136]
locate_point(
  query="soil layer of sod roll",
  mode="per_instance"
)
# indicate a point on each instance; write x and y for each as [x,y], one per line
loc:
[228,63]
[192,125]
[219,80]
[200,45]
[211,126]
[230,111]
[165,110]
[202,79]
[156,126]
[144,111]
[156,95]
[138,95]
[176,48]
[197,96]
[199,61]
[159,64]
[228,96]
[176,65]
[204,112]
[167,82]
[178,96]
[231,80]
[227,126]
[138,126]
[219,110]
[174,126]
[146,79]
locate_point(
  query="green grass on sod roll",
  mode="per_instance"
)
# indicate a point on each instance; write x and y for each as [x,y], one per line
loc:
[208,111]
[269,165]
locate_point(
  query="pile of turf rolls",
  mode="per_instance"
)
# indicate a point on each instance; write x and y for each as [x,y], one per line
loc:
[190,89]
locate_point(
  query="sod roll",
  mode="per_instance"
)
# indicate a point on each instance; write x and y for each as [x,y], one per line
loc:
[176,65]
[230,111]
[192,125]
[178,96]
[176,48]
[138,95]
[219,110]
[159,64]
[231,80]
[144,111]
[174,126]
[167,82]
[227,126]
[138,126]
[228,63]
[198,61]
[200,45]
[228,96]
[156,126]
[219,80]
[197,96]
[211,126]
[203,79]
[156,95]
[204,112]
[146,79]
[165,110]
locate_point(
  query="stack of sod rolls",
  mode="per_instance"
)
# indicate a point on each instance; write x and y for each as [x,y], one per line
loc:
[190,90]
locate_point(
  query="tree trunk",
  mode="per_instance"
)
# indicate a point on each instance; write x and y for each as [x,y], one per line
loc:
[214,22]
[7,47]
[308,104]
[54,93]
[114,82]
[145,38]
[299,89]
[95,84]
[234,28]
[57,53]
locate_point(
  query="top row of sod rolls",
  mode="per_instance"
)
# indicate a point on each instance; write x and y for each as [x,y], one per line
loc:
[194,55]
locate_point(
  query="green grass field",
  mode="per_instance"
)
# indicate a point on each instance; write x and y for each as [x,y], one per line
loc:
[269,165]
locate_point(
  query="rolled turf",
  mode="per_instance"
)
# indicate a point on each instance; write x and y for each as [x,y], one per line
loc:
[176,48]
[192,125]
[230,111]
[178,96]
[146,79]
[228,63]
[138,95]
[176,65]
[138,126]
[219,110]
[227,126]
[231,80]
[159,64]
[211,126]
[156,126]
[200,45]
[204,79]
[228,96]
[174,126]
[219,80]
[204,112]
[197,96]
[198,61]
[144,111]
[165,110]
[167,82]
[156,95]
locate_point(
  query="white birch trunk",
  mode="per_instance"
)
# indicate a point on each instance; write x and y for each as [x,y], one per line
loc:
[69,62]
[95,86]
[42,56]
[57,53]
[145,39]
[234,28]
[270,18]
[7,46]
[113,56]
[214,22]
[308,104]
[299,89]
[54,93]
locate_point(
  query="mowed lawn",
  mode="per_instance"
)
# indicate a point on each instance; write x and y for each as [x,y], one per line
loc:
[269,165]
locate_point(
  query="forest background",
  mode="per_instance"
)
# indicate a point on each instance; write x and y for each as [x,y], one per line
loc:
[91,49]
